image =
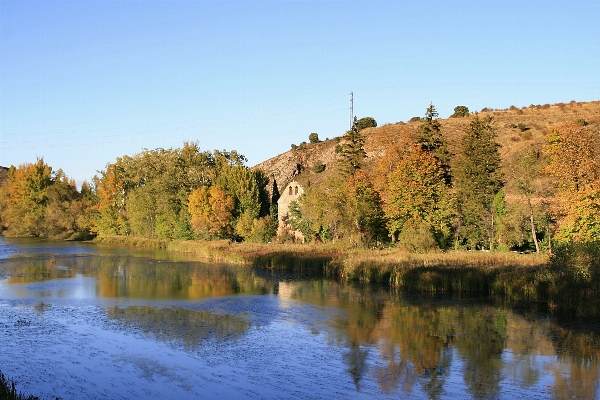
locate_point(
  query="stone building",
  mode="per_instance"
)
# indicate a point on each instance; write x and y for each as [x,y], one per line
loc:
[290,192]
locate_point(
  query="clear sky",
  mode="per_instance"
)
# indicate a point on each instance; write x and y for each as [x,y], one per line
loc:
[85,82]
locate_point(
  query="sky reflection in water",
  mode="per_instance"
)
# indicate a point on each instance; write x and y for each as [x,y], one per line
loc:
[186,329]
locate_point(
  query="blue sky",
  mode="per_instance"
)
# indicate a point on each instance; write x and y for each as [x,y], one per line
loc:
[85,82]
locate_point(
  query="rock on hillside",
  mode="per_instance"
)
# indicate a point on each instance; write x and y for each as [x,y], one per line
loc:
[3,174]
[517,128]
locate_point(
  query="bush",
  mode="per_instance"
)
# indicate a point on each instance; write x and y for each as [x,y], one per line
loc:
[581,122]
[522,127]
[313,137]
[263,230]
[318,167]
[414,119]
[366,122]
[416,237]
[460,112]
[294,147]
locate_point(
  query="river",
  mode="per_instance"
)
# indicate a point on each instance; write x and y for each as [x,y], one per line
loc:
[85,321]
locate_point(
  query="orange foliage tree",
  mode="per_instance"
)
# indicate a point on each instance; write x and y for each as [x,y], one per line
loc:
[212,211]
[574,153]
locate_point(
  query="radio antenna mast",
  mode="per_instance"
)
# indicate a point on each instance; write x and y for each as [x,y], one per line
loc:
[351,109]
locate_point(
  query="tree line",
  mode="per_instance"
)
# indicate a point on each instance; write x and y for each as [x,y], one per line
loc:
[422,197]
[418,194]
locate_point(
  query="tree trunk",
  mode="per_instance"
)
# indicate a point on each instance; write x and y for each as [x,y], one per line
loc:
[492,231]
[537,245]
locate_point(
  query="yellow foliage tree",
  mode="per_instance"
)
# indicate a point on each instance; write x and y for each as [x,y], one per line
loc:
[212,211]
[574,153]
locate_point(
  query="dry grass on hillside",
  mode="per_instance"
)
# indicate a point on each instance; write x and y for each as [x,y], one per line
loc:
[518,129]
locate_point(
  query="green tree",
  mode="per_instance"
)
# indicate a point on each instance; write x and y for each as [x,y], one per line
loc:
[477,179]
[460,111]
[366,122]
[429,136]
[352,152]
[313,138]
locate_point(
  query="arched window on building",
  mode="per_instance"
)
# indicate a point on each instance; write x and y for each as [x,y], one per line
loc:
[290,190]
[296,191]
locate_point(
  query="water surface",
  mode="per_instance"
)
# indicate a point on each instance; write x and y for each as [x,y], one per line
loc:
[85,321]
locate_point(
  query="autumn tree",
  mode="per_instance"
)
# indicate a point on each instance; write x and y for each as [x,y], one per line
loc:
[211,210]
[415,190]
[574,164]
[36,201]
[477,179]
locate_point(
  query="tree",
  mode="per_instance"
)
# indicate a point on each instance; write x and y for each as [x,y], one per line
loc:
[415,190]
[211,211]
[429,136]
[477,181]
[574,163]
[313,138]
[36,201]
[460,111]
[352,152]
[366,122]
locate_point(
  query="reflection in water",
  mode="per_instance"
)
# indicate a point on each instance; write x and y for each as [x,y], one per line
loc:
[188,327]
[414,345]
[420,340]
[142,278]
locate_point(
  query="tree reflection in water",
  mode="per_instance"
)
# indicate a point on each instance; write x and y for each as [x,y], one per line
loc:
[420,339]
[188,327]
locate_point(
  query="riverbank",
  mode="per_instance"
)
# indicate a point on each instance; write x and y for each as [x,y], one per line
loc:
[520,278]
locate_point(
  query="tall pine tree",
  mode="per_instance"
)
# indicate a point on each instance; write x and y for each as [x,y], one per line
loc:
[429,136]
[352,150]
[477,179]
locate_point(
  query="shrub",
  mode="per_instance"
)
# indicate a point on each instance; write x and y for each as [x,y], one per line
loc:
[294,147]
[414,119]
[460,111]
[416,237]
[313,137]
[366,122]
[581,261]
[318,167]
[581,122]
[522,127]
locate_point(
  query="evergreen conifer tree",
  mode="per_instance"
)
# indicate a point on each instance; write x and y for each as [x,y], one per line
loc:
[477,179]
[429,136]
[352,151]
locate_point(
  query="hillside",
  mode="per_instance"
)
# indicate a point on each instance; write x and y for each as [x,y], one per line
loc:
[537,121]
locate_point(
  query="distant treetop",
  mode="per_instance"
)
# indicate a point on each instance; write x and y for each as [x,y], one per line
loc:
[460,111]
[366,122]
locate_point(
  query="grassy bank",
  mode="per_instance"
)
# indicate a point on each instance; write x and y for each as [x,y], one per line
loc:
[271,256]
